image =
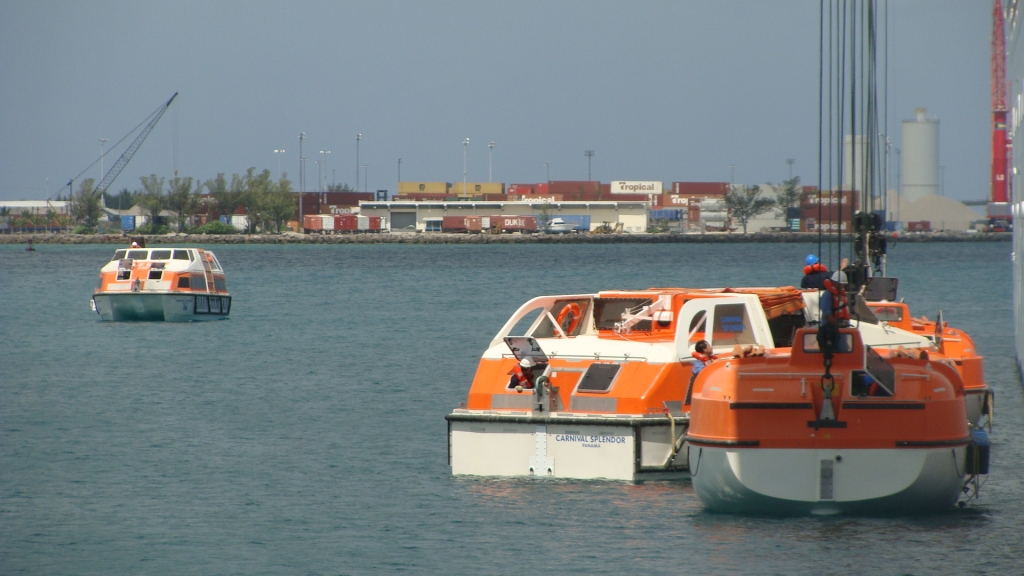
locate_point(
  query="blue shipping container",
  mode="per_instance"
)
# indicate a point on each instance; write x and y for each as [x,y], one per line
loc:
[580,222]
[225,220]
[127,222]
[665,214]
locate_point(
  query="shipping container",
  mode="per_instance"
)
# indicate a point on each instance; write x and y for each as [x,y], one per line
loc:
[240,221]
[524,224]
[519,189]
[454,224]
[700,188]
[313,223]
[423,187]
[485,222]
[433,224]
[847,199]
[362,223]
[346,223]
[474,224]
[635,187]
[671,214]
[549,198]
[919,226]
[328,222]
[477,188]
[811,225]
[713,205]
[376,223]
[127,222]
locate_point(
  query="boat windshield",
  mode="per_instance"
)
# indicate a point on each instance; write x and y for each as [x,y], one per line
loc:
[138,254]
[182,255]
[571,322]
[118,254]
[160,255]
[608,311]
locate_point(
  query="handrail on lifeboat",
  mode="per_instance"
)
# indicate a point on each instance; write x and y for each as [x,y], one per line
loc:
[545,302]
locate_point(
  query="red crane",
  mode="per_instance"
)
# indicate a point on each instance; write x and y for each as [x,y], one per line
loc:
[998,207]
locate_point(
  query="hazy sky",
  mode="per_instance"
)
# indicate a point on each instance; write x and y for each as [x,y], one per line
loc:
[664,91]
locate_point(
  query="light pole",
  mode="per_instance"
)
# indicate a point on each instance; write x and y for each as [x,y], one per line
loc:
[547,170]
[790,161]
[278,153]
[102,142]
[399,175]
[590,155]
[324,156]
[358,138]
[366,184]
[465,145]
[319,180]
[302,181]
[732,175]
[490,162]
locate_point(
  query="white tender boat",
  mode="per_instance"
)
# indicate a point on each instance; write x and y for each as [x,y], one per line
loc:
[169,284]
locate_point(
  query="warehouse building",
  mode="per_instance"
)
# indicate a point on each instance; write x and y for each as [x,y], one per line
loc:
[405,216]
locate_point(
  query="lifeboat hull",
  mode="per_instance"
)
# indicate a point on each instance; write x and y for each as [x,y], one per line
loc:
[826,481]
[167,307]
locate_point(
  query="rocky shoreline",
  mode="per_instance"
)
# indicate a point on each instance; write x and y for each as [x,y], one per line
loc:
[440,238]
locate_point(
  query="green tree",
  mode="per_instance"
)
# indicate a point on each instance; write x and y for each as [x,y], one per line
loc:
[87,205]
[152,199]
[745,203]
[338,187]
[5,215]
[280,204]
[256,196]
[182,201]
[123,200]
[787,195]
[225,199]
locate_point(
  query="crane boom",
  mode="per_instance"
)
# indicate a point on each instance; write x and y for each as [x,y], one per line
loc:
[108,179]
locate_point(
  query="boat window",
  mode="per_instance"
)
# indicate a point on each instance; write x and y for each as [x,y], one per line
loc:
[598,378]
[156,274]
[811,343]
[119,254]
[198,281]
[864,384]
[698,326]
[215,262]
[784,327]
[888,313]
[520,328]
[608,311]
[160,255]
[183,282]
[732,326]
[220,284]
[182,255]
[138,254]
[547,330]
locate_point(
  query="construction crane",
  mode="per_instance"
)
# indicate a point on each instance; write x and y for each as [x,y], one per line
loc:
[108,179]
[998,209]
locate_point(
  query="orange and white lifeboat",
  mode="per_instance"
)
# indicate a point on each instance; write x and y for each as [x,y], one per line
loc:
[171,284]
[879,432]
[953,344]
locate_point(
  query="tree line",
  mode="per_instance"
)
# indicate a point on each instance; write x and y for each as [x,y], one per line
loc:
[268,204]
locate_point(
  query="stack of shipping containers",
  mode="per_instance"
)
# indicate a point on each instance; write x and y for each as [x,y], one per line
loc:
[831,211]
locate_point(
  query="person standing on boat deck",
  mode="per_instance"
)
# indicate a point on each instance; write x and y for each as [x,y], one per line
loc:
[702,356]
[834,313]
[815,273]
[522,374]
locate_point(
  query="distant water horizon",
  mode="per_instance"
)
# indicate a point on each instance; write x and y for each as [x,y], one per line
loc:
[306,433]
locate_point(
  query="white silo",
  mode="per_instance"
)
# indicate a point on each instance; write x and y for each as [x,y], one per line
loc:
[920,156]
[855,149]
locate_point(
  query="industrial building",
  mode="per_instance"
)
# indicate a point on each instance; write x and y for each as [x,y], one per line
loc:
[414,216]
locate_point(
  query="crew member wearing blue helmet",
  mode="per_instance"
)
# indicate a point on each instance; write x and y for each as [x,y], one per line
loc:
[815,273]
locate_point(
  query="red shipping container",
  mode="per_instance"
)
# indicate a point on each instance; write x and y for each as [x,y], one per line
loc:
[312,222]
[518,223]
[519,189]
[542,189]
[345,222]
[716,189]
[495,197]
[375,223]
[474,224]
[454,224]
[919,226]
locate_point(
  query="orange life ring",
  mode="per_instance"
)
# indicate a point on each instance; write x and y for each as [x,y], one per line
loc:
[572,310]
[705,358]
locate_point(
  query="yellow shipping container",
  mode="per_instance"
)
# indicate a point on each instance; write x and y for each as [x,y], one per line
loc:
[423,187]
[478,188]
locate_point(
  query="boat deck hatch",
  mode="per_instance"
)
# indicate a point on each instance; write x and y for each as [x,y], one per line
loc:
[598,378]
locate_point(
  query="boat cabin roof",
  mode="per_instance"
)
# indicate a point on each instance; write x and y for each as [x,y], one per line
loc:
[165,254]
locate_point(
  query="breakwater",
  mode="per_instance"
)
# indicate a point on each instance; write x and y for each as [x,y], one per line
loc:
[440,238]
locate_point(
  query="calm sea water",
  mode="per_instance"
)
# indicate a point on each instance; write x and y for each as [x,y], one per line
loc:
[306,435]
